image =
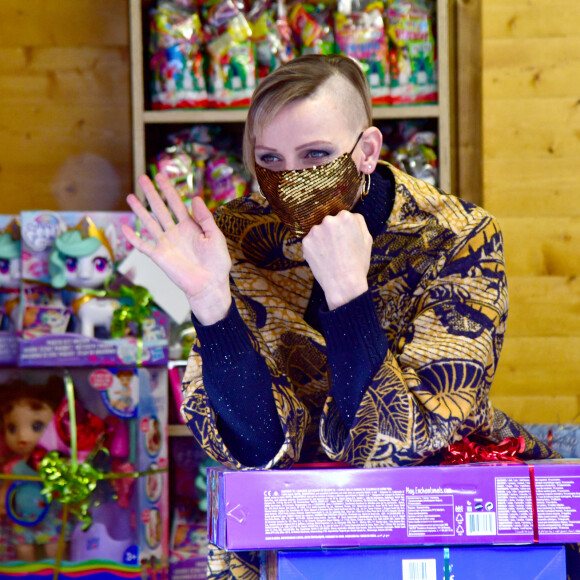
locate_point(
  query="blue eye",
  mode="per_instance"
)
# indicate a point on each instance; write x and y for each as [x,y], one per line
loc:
[317,154]
[4,266]
[269,158]
[38,426]
[71,264]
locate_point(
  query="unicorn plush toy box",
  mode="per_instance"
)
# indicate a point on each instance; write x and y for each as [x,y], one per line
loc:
[9,287]
[77,310]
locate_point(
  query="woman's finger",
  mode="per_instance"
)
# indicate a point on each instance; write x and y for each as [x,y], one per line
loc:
[146,218]
[136,241]
[157,205]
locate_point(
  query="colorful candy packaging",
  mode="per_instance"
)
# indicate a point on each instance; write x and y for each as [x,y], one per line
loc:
[271,36]
[201,161]
[412,54]
[412,147]
[176,58]
[311,25]
[231,72]
[361,35]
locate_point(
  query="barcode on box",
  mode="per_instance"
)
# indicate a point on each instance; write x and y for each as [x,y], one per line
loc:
[480,524]
[419,570]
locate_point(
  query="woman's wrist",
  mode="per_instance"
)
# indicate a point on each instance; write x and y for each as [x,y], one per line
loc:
[339,296]
[212,306]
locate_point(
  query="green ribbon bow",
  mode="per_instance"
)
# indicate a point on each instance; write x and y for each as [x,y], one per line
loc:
[139,308]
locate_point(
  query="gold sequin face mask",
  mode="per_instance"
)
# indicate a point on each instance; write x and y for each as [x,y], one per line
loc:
[302,198]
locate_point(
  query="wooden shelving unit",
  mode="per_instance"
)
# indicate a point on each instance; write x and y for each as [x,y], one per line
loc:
[145,120]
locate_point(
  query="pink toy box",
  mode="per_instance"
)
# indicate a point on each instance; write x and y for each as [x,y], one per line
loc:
[121,528]
[76,309]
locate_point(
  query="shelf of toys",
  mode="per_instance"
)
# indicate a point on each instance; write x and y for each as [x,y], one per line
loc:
[194,66]
[84,451]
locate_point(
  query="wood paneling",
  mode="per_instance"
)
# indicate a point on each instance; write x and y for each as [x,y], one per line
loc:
[531,148]
[64,93]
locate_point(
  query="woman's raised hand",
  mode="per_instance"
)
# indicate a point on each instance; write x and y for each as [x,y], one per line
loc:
[190,249]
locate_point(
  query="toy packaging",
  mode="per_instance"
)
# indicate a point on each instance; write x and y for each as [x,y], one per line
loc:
[96,497]
[76,309]
[482,503]
[10,279]
[428,563]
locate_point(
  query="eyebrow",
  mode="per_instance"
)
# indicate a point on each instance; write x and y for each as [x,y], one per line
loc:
[308,145]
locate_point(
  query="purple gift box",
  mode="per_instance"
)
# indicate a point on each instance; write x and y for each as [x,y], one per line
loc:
[484,503]
[435,563]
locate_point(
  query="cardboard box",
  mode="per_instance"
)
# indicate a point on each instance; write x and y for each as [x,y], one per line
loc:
[123,412]
[459,563]
[498,503]
[68,258]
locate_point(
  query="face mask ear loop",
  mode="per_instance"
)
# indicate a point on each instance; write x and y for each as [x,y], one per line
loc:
[356,143]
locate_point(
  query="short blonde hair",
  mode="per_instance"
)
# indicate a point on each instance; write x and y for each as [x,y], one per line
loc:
[298,79]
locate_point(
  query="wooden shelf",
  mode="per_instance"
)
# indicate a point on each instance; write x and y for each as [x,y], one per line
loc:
[179,431]
[146,121]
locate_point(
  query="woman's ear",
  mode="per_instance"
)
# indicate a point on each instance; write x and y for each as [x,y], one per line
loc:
[372,141]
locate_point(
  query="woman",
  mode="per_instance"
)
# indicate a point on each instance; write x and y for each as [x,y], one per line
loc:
[352,312]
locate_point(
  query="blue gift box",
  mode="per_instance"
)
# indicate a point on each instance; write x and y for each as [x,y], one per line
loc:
[563,438]
[546,562]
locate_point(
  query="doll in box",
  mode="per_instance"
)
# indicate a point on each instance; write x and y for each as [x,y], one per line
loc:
[10,269]
[83,259]
[26,411]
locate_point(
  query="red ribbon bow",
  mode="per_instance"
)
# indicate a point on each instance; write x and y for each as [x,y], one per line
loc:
[467,451]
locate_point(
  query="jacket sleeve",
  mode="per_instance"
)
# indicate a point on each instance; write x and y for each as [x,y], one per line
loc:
[267,329]
[432,386]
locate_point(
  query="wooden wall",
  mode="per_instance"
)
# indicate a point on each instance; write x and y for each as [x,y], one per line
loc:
[531,183]
[64,102]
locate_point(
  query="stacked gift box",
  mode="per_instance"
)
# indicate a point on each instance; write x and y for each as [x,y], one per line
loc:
[83,402]
[317,523]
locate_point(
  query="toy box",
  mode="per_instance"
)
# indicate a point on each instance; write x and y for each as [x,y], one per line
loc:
[497,503]
[77,310]
[441,563]
[188,548]
[10,278]
[561,437]
[113,498]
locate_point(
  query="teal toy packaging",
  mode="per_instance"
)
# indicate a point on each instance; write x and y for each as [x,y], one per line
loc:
[10,280]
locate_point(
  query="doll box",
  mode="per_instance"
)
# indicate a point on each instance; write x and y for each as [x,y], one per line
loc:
[499,503]
[122,412]
[434,563]
[77,310]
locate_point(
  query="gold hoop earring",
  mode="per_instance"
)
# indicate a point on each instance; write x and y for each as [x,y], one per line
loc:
[366,185]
